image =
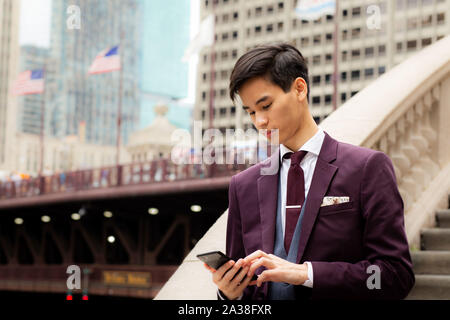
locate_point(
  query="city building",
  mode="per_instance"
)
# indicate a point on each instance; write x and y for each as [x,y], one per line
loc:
[29,106]
[9,51]
[374,36]
[73,96]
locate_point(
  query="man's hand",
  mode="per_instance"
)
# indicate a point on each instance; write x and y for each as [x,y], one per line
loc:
[277,269]
[223,278]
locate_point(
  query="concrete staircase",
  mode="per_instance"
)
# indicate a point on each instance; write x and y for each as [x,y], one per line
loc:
[432,263]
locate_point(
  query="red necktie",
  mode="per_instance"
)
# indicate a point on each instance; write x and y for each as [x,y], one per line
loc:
[295,195]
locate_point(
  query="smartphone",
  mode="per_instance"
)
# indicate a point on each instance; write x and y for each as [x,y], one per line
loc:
[216,259]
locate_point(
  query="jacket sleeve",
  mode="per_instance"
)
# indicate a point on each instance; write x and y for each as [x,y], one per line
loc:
[384,243]
[234,243]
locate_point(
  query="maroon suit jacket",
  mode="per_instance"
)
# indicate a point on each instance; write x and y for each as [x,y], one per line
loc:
[341,240]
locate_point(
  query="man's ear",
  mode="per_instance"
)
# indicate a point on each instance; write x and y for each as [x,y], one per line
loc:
[300,88]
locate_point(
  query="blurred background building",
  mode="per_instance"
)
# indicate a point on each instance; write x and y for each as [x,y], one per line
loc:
[73,96]
[9,52]
[367,47]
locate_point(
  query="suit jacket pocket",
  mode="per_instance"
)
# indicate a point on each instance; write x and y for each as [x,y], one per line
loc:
[336,208]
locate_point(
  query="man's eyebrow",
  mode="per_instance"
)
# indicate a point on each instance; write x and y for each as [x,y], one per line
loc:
[257,102]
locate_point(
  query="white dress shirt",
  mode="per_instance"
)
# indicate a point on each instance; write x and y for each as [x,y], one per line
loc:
[308,164]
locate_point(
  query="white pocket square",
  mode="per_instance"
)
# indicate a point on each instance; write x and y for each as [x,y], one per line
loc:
[328,201]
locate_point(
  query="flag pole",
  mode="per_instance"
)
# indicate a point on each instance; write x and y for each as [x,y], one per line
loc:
[41,138]
[336,55]
[119,108]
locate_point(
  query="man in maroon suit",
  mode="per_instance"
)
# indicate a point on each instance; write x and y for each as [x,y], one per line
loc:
[347,237]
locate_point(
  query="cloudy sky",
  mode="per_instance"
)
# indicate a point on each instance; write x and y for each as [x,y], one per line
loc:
[35,22]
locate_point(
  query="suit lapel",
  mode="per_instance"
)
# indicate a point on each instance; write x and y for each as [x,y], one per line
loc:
[267,199]
[323,174]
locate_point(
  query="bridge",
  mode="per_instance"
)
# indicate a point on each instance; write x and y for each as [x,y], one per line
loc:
[127,227]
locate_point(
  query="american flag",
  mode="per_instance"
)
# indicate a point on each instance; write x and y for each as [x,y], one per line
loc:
[106,61]
[29,82]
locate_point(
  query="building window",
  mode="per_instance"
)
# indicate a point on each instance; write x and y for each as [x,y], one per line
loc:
[368,73]
[344,76]
[369,52]
[316,59]
[344,55]
[356,12]
[327,78]
[426,42]
[440,18]
[280,26]
[316,39]
[269,28]
[356,74]
[316,100]
[328,58]
[356,33]
[316,80]
[328,99]
[235,35]
[381,70]
[258,30]
[356,54]
[258,11]
[343,97]
[304,41]
[411,45]
[382,50]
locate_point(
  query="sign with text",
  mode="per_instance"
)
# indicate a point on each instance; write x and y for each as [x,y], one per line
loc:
[127,278]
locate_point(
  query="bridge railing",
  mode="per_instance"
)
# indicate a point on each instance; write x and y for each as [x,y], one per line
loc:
[160,170]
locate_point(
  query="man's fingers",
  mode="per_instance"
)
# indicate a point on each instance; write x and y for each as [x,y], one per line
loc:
[255,255]
[209,268]
[232,271]
[266,262]
[266,275]
[219,274]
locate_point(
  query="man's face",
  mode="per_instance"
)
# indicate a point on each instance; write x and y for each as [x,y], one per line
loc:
[271,108]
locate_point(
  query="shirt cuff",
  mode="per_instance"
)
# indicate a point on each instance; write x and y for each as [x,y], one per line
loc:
[309,283]
[221,297]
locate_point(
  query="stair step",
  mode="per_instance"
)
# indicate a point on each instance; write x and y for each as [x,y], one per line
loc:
[443,218]
[430,287]
[431,262]
[435,239]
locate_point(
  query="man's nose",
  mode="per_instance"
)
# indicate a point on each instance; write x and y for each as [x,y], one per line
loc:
[261,122]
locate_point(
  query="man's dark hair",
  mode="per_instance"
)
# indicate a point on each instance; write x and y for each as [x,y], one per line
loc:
[279,63]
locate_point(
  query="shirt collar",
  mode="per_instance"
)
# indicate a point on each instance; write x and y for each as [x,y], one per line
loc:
[313,145]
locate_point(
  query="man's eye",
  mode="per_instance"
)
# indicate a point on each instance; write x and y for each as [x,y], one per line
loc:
[266,107]
[251,113]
